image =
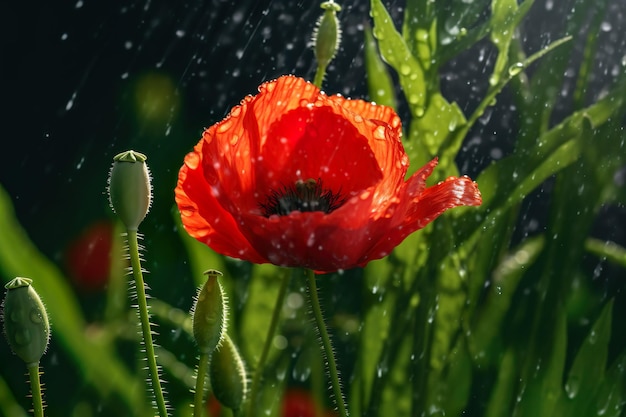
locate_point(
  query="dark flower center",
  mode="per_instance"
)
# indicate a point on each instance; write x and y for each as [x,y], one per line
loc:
[303,196]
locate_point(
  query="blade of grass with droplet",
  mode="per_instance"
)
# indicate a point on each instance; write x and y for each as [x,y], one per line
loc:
[96,362]
[544,87]
[433,118]
[256,316]
[459,27]
[502,395]
[540,389]
[506,16]
[378,303]
[508,181]
[452,144]
[588,368]
[611,398]
[489,318]
[379,82]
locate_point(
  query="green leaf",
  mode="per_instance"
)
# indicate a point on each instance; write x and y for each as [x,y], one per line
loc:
[257,310]
[606,249]
[506,16]
[540,387]
[395,51]
[503,393]
[8,404]
[588,368]
[96,361]
[611,398]
[379,82]
[504,282]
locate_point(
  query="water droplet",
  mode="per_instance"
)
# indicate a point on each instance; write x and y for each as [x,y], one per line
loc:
[405,69]
[192,160]
[572,386]
[224,126]
[516,69]
[452,125]
[419,111]
[379,133]
[494,80]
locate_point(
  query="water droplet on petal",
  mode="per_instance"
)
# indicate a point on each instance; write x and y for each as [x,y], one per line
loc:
[192,160]
[224,126]
[379,133]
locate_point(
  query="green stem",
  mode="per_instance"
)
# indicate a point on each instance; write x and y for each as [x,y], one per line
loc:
[35,388]
[319,76]
[203,365]
[328,348]
[268,341]
[142,305]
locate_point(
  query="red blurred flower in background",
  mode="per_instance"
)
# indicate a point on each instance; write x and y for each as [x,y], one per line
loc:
[298,178]
[88,256]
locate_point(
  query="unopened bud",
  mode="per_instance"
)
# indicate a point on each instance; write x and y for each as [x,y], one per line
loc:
[209,314]
[130,191]
[228,375]
[26,324]
[327,34]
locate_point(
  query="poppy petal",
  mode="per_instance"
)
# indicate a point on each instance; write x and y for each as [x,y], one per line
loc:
[290,132]
[203,216]
[416,213]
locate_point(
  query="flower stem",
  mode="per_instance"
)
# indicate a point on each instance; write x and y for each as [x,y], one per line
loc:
[328,348]
[268,341]
[319,76]
[35,388]
[203,365]
[142,305]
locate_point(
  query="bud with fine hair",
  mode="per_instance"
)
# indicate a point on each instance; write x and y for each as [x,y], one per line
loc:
[327,34]
[130,190]
[26,324]
[228,375]
[209,314]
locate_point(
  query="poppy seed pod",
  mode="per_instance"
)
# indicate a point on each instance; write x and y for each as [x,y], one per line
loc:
[209,314]
[327,35]
[228,375]
[130,189]
[26,324]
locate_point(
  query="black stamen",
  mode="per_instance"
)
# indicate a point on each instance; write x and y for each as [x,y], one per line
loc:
[303,196]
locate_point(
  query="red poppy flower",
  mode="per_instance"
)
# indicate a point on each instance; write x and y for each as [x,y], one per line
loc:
[298,178]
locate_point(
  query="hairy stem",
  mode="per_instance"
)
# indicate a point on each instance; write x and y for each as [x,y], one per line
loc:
[203,365]
[319,76]
[328,349]
[142,305]
[35,388]
[268,341]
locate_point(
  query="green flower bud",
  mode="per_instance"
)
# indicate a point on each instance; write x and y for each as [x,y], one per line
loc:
[209,313]
[327,34]
[228,375]
[130,190]
[26,325]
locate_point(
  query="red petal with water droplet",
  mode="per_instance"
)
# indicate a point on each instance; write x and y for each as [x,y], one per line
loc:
[291,131]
